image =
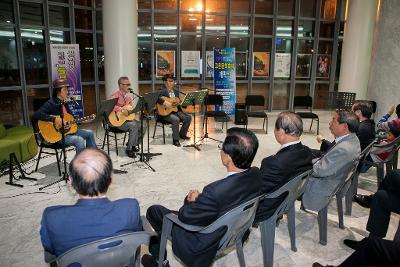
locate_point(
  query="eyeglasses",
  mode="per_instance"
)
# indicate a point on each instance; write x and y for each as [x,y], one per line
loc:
[126,84]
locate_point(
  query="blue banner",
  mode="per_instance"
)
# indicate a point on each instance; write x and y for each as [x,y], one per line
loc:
[225,77]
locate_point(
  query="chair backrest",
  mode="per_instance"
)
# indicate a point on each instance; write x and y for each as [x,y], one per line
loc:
[38,102]
[351,170]
[302,101]
[38,137]
[393,147]
[238,221]
[255,100]
[115,251]
[294,188]
[214,100]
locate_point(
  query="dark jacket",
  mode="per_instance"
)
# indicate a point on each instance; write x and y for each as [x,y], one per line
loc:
[217,198]
[51,108]
[366,133]
[65,227]
[278,169]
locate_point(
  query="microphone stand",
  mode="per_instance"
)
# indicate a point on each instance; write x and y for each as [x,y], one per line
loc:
[65,173]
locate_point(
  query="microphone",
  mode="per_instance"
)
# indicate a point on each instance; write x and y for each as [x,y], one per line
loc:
[132,92]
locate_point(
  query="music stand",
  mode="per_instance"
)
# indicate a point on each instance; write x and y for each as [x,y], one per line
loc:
[194,98]
[341,100]
[150,101]
[105,110]
[145,103]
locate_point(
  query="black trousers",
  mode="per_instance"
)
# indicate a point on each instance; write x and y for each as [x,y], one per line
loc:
[175,119]
[155,215]
[385,201]
[374,251]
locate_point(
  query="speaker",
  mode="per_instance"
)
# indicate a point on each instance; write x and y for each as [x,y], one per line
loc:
[240,114]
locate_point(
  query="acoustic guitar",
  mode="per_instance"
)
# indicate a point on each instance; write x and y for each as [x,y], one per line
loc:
[53,134]
[116,119]
[165,111]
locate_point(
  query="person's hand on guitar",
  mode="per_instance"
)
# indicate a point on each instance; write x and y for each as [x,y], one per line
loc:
[192,195]
[167,104]
[57,122]
[125,112]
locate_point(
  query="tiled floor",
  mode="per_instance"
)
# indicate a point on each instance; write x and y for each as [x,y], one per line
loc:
[177,171]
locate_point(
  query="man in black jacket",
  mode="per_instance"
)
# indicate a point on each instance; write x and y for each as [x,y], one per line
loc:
[167,91]
[240,184]
[292,159]
[366,129]
[51,110]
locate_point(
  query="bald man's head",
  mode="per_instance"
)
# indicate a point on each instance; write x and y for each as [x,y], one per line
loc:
[90,172]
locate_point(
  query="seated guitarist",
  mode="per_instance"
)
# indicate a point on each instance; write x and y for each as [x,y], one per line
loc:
[123,105]
[82,138]
[167,91]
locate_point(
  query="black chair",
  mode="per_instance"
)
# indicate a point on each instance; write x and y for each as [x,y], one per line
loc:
[259,101]
[44,144]
[306,101]
[160,122]
[215,100]
[110,129]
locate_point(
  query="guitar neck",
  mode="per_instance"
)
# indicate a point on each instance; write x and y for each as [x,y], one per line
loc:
[78,120]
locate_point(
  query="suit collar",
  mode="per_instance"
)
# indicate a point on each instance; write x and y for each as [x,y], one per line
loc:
[93,201]
[290,147]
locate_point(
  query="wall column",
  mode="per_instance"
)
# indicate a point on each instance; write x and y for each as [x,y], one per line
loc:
[120,43]
[357,47]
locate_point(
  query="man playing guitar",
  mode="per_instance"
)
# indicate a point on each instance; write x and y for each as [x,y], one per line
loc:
[51,111]
[168,93]
[123,111]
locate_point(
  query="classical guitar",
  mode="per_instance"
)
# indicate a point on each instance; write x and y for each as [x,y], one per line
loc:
[53,134]
[116,119]
[165,111]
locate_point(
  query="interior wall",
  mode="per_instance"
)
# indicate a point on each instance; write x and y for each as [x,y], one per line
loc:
[384,79]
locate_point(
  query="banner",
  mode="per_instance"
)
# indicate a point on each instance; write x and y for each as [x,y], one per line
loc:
[303,66]
[210,63]
[190,66]
[260,64]
[225,77]
[165,63]
[65,64]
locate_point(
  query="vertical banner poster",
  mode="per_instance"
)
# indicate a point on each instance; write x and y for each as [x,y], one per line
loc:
[190,66]
[65,64]
[165,63]
[225,77]
[260,64]
[282,65]
[323,66]
[210,63]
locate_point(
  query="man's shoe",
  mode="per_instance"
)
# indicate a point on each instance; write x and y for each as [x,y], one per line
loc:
[185,137]
[316,264]
[176,143]
[149,261]
[135,148]
[353,244]
[131,153]
[363,200]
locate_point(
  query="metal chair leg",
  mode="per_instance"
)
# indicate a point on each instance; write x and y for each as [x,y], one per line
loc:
[37,163]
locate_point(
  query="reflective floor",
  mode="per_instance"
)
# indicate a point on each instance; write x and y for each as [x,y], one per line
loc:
[177,171]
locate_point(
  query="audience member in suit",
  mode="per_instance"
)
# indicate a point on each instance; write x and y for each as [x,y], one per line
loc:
[329,170]
[366,129]
[372,251]
[167,91]
[292,159]
[93,216]
[241,183]
[385,201]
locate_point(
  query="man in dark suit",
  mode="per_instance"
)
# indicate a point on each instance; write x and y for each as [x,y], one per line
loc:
[240,184]
[167,91]
[93,217]
[292,159]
